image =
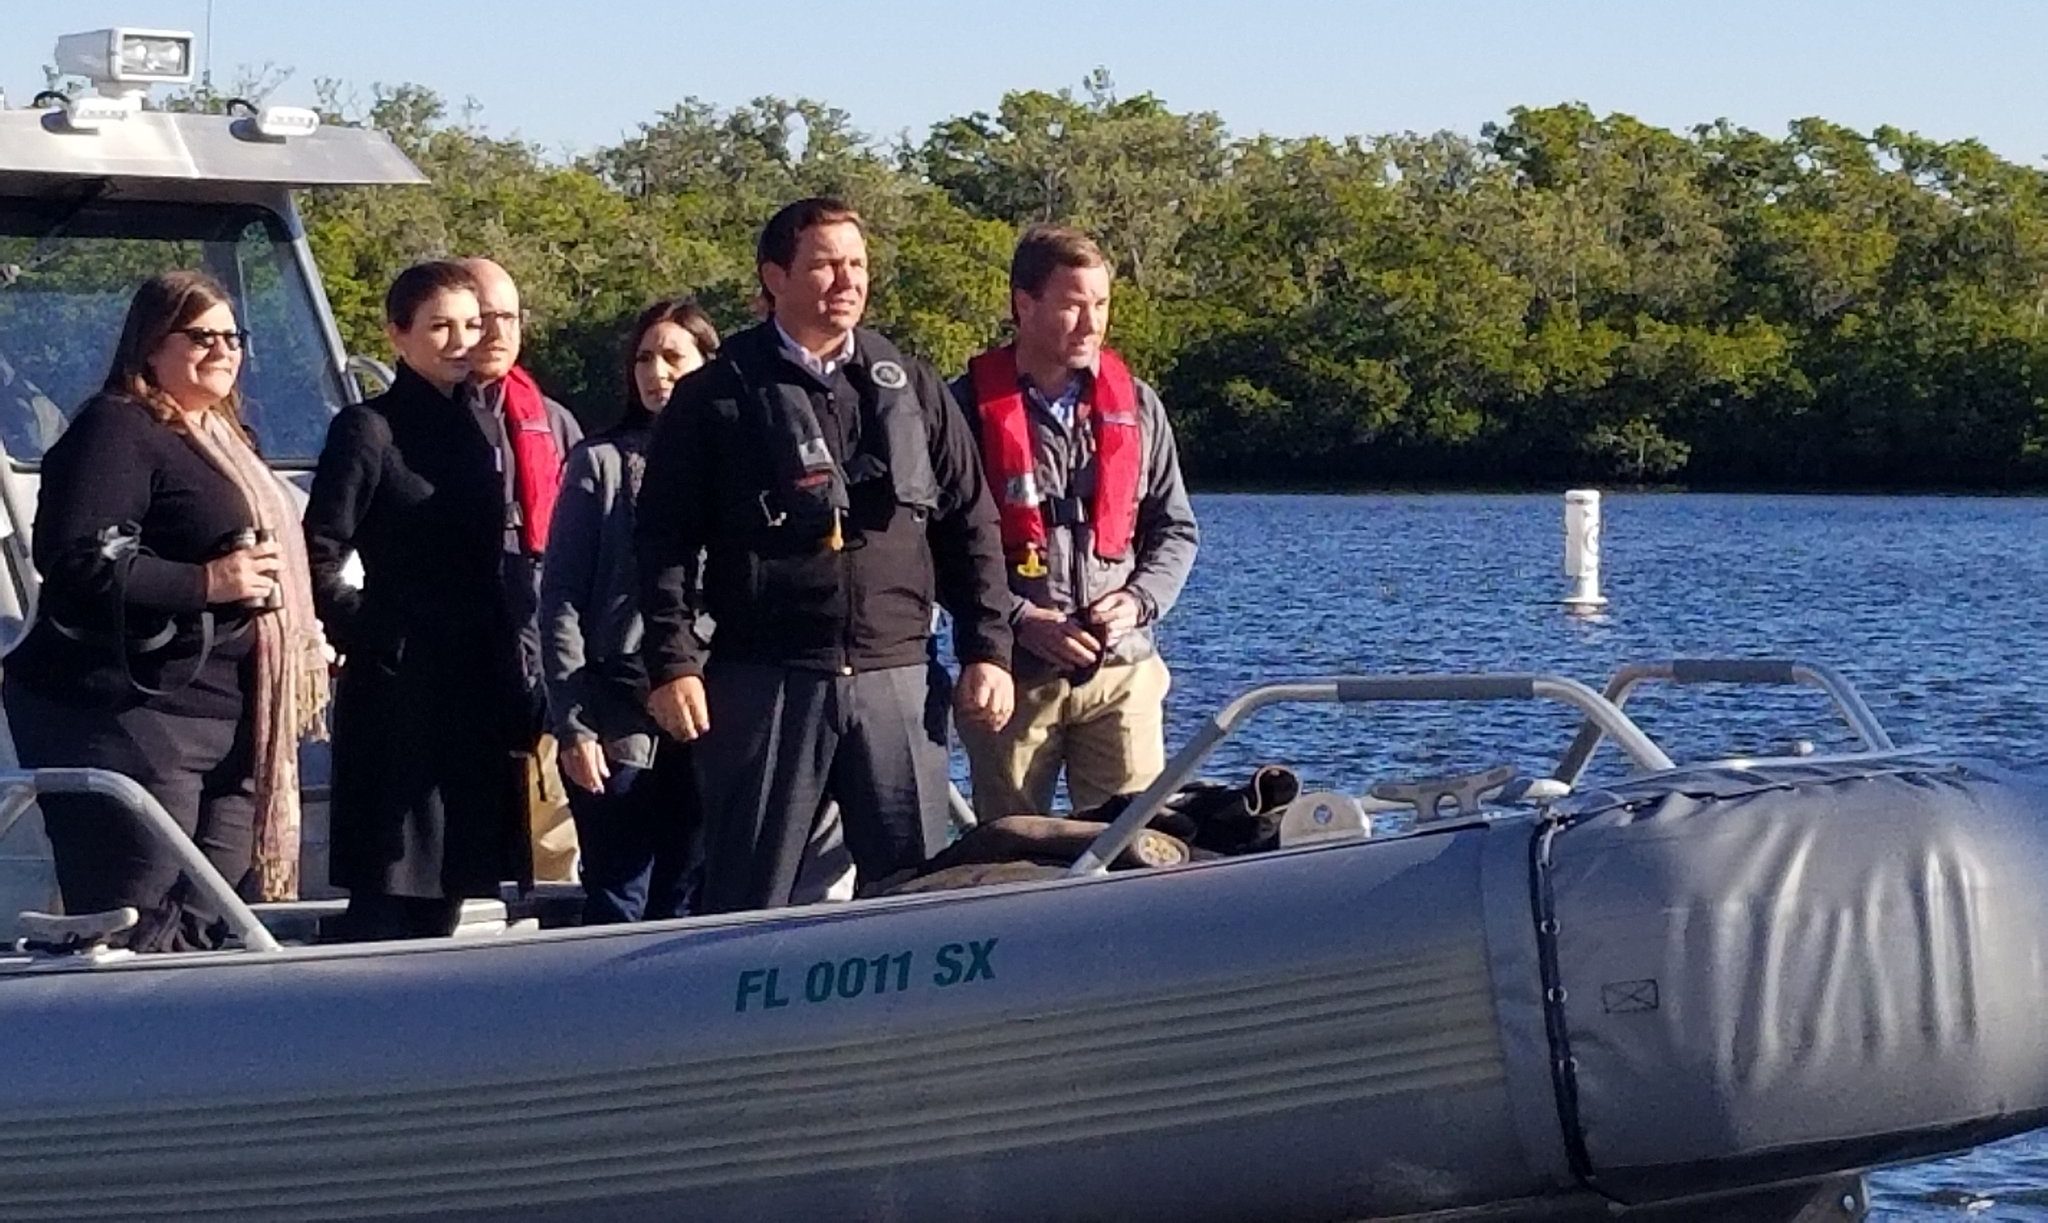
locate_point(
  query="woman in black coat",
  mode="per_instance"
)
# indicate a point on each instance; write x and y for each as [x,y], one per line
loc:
[174,638]
[431,711]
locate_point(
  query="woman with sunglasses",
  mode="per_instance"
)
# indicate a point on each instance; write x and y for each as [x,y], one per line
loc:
[174,637]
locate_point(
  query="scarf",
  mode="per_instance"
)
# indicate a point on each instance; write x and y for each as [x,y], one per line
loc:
[536,459]
[291,664]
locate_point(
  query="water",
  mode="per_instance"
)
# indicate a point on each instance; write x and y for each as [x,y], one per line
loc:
[1933,606]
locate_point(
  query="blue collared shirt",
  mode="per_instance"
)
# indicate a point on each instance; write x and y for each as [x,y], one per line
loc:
[823,367]
[1062,408]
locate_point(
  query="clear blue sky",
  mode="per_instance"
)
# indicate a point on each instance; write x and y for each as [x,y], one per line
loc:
[575,75]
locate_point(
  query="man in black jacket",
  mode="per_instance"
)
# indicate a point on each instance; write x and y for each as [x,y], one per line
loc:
[830,490]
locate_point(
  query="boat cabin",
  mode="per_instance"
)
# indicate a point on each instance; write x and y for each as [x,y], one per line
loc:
[97,193]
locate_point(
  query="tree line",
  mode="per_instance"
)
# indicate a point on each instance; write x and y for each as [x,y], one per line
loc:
[1565,296]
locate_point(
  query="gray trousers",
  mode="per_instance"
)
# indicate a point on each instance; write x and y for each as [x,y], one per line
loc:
[784,743]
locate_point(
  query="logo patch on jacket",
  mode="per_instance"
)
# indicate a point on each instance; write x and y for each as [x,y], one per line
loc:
[888,375]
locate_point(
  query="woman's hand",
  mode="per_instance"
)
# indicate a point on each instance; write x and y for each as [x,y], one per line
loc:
[583,763]
[244,576]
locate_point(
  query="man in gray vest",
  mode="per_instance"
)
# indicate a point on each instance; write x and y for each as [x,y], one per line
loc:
[816,492]
[1097,533]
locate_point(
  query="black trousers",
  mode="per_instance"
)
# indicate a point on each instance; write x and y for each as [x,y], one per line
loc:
[202,771]
[373,917]
[640,839]
[785,742]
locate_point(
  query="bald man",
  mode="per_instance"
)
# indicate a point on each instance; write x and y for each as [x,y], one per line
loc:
[531,434]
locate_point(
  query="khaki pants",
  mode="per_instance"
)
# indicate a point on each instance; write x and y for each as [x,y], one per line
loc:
[1109,734]
[550,830]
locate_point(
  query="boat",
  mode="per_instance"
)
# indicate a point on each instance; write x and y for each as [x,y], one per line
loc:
[1720,989]
[1717,990]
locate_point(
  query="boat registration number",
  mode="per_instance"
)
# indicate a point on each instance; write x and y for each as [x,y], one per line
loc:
[766,989]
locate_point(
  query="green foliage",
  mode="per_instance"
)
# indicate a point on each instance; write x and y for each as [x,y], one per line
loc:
[1567,296]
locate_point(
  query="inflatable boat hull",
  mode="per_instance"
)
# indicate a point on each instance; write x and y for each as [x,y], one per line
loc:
[1694,988]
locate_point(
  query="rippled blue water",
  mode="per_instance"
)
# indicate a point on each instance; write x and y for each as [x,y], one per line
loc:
[1932,606]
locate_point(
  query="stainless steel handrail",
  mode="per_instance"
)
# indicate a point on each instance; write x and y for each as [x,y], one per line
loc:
[357,366]
[1753,671]
[20,542]
[13,805]
[960,810]
[130,794]
[1359,689]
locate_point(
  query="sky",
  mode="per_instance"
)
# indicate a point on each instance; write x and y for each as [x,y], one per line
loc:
[575,76]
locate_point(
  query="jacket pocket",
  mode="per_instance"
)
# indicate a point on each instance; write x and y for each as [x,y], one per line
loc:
[927,572]
[896,581]
[800,586]
[386,656]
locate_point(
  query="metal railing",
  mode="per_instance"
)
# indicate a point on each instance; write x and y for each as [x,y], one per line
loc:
[1751,671]
[18,549]
[19,788]
[1363,689]
[370,376]
[1604,721]
[959,810]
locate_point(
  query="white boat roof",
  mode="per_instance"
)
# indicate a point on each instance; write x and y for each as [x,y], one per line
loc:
[37,150]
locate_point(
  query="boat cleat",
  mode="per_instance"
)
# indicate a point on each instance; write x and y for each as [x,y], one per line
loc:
[80,938]
[1428,794]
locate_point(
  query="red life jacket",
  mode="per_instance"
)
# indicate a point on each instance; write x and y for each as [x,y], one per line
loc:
[1110,409]
[536,459]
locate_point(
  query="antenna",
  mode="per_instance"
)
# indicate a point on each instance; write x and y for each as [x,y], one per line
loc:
[207,78]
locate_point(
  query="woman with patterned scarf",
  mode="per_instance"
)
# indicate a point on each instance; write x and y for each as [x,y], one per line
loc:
[175,639]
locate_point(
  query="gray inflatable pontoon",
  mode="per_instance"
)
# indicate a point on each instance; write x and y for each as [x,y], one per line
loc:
[1719,991]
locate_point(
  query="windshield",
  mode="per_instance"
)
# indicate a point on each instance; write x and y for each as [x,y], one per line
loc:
[67,270]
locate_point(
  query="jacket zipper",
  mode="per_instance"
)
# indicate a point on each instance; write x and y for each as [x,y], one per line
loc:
[1076,562]
[846,622]
[846,631]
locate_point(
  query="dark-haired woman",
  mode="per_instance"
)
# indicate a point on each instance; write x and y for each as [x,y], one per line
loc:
[175,638]
[631,789]
[431,709]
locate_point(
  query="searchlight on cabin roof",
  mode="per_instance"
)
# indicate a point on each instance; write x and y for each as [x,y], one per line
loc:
[122,63]
[125,62]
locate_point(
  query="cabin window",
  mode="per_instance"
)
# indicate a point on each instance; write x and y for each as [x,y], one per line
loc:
[67,270]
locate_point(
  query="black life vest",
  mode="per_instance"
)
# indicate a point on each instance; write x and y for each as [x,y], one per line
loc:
[812,484]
